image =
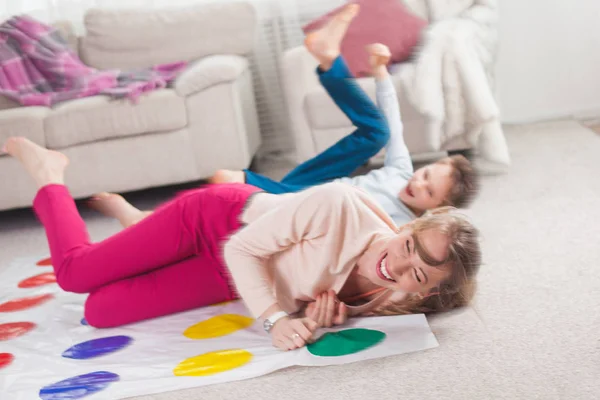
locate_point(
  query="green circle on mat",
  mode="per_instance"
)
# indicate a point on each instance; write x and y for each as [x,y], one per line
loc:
[342,343]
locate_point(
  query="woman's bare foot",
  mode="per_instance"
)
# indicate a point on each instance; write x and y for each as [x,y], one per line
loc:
[228,176]
[115,206]
[379,57]
[324,43]
[45,166]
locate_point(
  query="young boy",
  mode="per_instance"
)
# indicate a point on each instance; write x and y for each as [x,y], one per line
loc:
[403,193]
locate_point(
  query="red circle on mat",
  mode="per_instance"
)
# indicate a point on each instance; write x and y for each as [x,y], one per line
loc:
[25,302]
[15,329]
[38,280]
[44,263]
[5,359]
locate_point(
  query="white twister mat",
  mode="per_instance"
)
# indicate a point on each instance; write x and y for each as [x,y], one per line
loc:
[43,354]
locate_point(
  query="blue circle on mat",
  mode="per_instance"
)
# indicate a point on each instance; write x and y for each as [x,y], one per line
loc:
[97,347]
[78,386]
[84,322]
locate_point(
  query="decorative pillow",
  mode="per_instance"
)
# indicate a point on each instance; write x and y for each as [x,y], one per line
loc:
[378,21]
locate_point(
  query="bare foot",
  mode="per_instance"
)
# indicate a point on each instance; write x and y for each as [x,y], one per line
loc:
[45,166]
[228,176]
[324,43]
[379,57]
[115,206]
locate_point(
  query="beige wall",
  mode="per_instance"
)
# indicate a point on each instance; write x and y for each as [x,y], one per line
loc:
[549,59]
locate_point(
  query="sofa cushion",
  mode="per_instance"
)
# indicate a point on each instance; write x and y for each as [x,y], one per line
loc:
[137,39]
[99,117]
[23,121]
[208,72]
[382,21]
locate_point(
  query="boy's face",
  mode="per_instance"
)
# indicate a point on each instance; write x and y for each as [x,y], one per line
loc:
[428,188]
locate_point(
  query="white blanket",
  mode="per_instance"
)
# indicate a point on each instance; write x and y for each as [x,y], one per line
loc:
[451,80]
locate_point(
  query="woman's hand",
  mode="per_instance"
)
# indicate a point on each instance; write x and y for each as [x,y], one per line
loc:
[327,310]
[290,334]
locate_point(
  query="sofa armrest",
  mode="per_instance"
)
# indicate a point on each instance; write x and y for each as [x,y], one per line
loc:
[209,71]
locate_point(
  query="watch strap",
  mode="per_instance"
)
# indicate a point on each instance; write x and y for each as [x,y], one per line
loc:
[277,316]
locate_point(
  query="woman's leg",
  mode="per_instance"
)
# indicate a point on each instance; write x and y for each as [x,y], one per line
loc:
[191,283]
[173,233]
[169,235]
[197,281]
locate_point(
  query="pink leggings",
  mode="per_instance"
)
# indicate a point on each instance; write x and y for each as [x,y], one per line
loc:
[169,262]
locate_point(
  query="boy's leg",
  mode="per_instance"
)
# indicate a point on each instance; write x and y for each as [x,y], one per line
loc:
[351,152]
[371,132]
[269,185]
[354,150]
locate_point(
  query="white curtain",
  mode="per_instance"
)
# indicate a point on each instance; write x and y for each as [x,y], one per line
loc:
[280,23]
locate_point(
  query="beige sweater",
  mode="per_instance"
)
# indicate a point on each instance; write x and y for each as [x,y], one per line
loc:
[296,246]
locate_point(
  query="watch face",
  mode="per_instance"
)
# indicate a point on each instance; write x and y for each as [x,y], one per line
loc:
[267,325]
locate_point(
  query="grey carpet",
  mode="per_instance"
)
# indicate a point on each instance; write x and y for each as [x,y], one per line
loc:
[534,330]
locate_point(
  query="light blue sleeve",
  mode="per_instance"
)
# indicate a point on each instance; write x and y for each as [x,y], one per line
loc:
[397,155]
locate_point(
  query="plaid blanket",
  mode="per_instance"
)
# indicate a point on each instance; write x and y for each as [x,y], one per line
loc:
[37,67]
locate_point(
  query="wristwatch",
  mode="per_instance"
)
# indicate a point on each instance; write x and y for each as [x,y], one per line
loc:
[269,322]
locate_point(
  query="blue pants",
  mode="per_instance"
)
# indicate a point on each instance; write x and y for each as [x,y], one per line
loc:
[351,152]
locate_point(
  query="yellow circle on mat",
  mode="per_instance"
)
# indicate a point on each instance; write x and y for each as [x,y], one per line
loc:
[217,326]
[213,362]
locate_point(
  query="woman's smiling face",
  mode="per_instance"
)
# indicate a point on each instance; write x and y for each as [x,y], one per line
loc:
[395,262]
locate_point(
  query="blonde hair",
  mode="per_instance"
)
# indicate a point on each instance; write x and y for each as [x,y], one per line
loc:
[464,259]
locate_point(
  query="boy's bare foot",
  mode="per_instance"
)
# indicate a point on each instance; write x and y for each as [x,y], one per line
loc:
[324,43]
[379,57]
[228,176]
[115,206]
[45,166]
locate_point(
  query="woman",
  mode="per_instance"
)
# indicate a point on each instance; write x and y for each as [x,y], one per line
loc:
[279,252]
[291,249]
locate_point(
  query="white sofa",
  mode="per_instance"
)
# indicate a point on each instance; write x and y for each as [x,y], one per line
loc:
[205,121]
[316,122]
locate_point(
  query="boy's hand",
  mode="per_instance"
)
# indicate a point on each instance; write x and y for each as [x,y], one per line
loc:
[379,58]
[327,310]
